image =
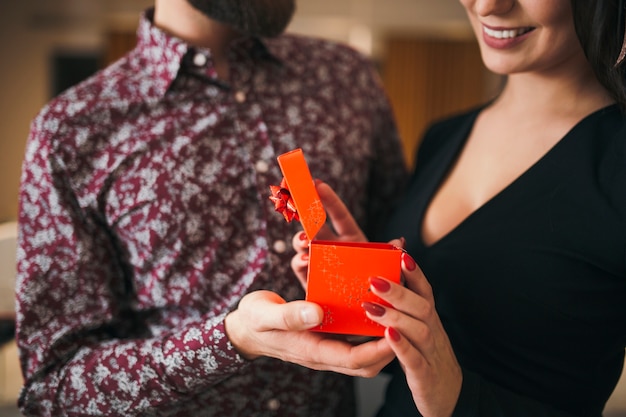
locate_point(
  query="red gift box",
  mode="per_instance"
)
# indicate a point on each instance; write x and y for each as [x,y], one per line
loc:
[339,272]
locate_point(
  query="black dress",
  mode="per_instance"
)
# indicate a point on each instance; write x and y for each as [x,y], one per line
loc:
[531,287]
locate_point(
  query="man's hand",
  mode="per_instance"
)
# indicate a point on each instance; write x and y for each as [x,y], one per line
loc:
[266,325]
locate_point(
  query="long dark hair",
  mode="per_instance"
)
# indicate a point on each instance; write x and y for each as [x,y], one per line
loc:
[600,28]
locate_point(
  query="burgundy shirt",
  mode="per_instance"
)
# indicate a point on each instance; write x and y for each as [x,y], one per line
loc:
[145,217]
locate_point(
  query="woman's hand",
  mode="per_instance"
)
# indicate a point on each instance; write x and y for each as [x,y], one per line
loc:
[416,335]
[414,331]
[345,230]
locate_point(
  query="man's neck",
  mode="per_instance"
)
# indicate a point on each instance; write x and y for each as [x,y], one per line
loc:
[180,19]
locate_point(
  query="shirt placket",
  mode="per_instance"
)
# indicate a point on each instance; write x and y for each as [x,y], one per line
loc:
[259,154]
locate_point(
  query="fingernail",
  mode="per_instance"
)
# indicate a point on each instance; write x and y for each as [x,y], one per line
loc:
[380,284]
[305,256]
[374,309]
[394,334]
[309,316]
[303,236]
[409,262]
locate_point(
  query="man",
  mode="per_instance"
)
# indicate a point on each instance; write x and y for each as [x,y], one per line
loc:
[145,218]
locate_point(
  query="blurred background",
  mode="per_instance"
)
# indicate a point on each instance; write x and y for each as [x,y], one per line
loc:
[424,49]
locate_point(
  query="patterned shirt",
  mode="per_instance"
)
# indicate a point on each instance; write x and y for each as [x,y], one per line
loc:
[145,217]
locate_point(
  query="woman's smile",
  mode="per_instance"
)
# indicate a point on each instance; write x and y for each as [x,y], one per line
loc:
[504,37]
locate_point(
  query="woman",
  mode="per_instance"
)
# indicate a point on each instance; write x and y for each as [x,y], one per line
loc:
[516,215]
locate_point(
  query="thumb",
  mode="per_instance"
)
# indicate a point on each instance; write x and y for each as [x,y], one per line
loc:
[344,224]
[302,315]
[271,312]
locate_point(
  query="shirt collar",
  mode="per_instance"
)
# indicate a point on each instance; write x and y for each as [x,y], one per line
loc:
[163,54]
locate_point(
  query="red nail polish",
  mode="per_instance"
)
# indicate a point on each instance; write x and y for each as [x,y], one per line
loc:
[305,256]
[380,284]
[409,262]
[374,309]
[303,236]
[394,334]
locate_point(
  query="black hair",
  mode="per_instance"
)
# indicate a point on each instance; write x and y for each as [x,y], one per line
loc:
[600,29]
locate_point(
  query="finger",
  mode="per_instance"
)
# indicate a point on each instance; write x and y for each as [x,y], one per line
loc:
[399,242]
[410,358]
[412,314]
[403,299]
[326,233]
[415,330]
[339,215]
[364,360]
[300,242]
[300,267]
[415,278]
[271,312]
[295,316]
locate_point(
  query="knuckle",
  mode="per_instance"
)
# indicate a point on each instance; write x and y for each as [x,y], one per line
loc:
[423,334]
[428,310]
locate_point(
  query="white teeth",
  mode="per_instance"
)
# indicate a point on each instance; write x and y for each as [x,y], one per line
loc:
[504,34]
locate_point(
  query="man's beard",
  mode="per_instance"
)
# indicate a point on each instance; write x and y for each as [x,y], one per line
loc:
[265,18]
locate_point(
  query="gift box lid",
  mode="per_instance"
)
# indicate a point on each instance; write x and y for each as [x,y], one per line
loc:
[301,186]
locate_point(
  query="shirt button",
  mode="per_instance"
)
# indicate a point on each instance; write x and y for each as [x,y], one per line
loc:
[273,404]
[240,96]
[280,246]
[262,167]
[199,59]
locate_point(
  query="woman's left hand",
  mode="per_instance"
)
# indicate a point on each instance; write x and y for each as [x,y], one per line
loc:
[416,335]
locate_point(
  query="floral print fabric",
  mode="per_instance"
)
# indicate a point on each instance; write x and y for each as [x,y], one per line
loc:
[144,219]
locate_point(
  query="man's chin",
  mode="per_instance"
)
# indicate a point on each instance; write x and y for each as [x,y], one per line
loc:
[263,18]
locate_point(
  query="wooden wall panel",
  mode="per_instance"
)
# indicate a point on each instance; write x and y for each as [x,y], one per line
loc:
[427,79]
[117,44]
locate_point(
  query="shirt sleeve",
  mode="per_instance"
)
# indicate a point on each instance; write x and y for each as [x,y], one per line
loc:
[84,350]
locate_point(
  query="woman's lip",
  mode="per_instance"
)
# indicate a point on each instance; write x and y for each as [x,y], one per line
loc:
[502,38]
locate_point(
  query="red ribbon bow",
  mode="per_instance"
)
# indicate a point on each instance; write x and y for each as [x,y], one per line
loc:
[283,203]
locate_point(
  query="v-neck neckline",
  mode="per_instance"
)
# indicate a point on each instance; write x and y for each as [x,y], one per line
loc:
[453,152]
